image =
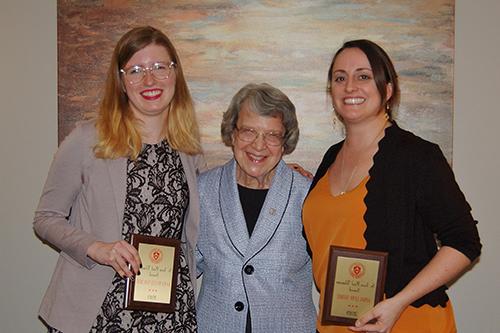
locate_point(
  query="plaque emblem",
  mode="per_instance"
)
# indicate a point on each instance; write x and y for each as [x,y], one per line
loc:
[156,255]
[357,270]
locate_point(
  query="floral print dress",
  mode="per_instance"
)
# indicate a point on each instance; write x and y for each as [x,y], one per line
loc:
[156,201]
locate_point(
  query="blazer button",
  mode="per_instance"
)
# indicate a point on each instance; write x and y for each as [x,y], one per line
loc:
[249,269]
[238,306]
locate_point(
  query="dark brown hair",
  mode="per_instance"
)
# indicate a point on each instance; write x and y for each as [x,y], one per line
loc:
[382,68]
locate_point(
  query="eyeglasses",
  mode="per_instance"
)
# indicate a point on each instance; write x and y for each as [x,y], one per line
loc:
[159,70]
[250,135]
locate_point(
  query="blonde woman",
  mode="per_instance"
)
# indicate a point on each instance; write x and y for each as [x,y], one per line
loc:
[131,170]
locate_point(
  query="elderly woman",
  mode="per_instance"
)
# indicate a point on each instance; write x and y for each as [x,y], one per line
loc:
[256,270]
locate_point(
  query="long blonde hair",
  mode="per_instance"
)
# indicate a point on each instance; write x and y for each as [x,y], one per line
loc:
[117,128]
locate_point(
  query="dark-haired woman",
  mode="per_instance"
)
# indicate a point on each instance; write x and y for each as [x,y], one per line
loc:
[385,189]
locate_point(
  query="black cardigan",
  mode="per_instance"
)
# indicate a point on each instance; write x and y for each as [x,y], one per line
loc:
[412,196]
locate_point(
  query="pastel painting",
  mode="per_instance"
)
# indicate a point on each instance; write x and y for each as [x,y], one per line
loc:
[225,44]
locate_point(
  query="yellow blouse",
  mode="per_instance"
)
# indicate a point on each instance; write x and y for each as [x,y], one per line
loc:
[339,220]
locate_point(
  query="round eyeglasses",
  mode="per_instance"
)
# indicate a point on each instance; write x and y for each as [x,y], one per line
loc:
[250,135]
[159,70]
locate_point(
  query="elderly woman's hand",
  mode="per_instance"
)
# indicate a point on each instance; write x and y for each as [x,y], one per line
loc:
[117,255]
[300,169]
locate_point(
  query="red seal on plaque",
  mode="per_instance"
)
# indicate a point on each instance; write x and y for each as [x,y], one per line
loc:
[156,255]
[357,270]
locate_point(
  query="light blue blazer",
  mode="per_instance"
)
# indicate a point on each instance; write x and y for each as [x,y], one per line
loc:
[270,273]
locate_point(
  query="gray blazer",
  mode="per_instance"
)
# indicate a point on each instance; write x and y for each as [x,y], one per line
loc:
[92,193]
[269,272]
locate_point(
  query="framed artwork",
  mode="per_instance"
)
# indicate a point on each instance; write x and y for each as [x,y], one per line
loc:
[225,44]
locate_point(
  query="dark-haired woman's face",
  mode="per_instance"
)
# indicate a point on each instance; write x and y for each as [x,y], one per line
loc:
[354,92]
[150,96]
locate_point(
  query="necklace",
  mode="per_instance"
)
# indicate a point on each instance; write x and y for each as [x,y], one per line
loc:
[346,185]
[353,172]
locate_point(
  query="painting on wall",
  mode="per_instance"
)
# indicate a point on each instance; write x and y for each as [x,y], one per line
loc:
[225,44]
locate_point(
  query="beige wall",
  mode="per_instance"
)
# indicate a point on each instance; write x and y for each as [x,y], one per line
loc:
[476,156]
[28,139]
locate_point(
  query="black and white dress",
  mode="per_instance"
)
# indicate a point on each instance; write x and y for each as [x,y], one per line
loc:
[156,201]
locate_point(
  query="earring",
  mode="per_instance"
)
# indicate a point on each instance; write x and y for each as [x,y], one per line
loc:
[334,120]
[337,124]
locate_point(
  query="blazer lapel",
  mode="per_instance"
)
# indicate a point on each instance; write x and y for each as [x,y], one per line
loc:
[271,214]
[230,207]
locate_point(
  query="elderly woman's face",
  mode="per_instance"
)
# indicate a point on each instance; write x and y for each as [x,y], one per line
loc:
[257,158]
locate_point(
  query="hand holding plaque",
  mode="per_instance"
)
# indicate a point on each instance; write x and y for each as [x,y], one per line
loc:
[154,289]
[354,284]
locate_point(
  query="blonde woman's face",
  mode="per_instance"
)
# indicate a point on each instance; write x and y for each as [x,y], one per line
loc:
[150,97]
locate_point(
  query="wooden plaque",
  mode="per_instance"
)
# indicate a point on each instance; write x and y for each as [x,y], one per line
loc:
[354,284]
[154,289]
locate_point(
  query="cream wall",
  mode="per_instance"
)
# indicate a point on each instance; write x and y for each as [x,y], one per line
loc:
[28,140]
[476,156]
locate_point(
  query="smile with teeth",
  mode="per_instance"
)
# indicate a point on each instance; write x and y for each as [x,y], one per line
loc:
[255,158]
[354,100]
[151,94]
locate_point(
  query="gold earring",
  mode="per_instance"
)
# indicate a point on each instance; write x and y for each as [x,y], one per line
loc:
[334,120]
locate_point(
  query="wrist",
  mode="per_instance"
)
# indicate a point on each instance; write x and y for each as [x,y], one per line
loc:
[91,250]
[402,299]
